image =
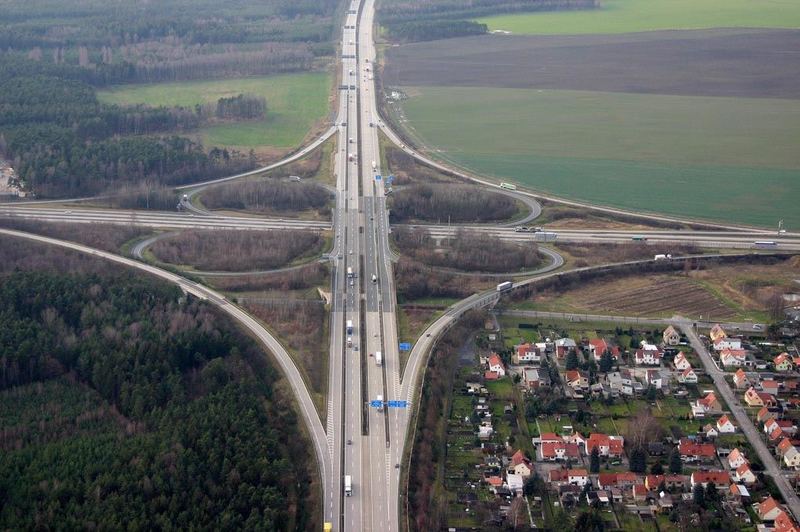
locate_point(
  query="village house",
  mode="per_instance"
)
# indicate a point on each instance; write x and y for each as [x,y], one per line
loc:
[687,376]
[777,435]
[515,484]
[764,414]
[721,479]
[520,465]
[724,425]
[791,457]
[564,346]
[744,475]
[671,336]
[783,362]
[611,446]
[740,379]
[491,375]
[639,493]
[707,405]
[770,386]
[732,358]
[671,482]
[727,343]
[736,458]
[648,357]
[784,523]
[576,380]
[558,450]
[769,509]
[606,481]
[693,452]
[653,378]
[717,332]
[681,362]
[536,378]
[527,354]
[577,477]
[786,425]
[739,493]
[496,365]
[755,398]
[598,346]
[710,431]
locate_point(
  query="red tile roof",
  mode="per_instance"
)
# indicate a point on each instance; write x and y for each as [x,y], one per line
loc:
[491,375]
[767,506]
[689,448]
[719,478]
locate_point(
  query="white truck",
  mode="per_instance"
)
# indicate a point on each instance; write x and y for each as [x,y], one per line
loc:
[349,341]
[350,274]
[374,278]
[349,327]
[545,236]
[378,358]
[348,485]
[663,256]
[380,400]
[374,165]
[502,287]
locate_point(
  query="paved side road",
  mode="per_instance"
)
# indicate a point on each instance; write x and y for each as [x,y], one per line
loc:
[753,436]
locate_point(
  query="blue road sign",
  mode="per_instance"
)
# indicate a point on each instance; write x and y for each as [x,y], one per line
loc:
[378,177]
[390,178]
[404,346]
[376,404]
[397,404]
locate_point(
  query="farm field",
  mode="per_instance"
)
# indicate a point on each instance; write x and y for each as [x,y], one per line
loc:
[741,292]
[658,153]
[720,62]
[295,102]
[622,16]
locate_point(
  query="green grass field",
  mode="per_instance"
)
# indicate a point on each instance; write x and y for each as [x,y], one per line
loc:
[623,16]
[732,159]
[294,103]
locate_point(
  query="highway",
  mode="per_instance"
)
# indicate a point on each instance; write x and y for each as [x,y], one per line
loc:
[156,219]
[379,506]
[182,220]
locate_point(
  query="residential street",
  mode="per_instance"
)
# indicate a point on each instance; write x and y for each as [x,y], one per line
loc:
[753,436]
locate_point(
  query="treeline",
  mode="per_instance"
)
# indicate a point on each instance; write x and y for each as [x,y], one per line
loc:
[416,281]
[73,105]
[161,63]
[237,250]
[415,10]
[27,24]
[241,106]
[426,509]
[63,142]
[422,20]
[268,195]
[429,30]
[467,251]
[185,430]
[456,203]
[56,162]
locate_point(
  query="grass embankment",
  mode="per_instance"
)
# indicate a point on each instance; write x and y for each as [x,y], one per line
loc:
[679,155]
[623,16]
[295,102]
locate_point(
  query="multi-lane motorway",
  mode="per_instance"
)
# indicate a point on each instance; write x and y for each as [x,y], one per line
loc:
[362,442]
